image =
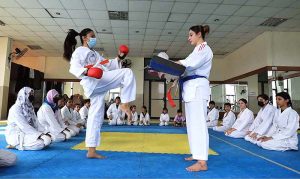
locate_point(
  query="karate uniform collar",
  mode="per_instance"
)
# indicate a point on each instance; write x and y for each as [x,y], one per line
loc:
[201,46]
[54,107]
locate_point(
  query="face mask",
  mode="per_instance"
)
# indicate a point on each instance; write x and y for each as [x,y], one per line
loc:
[260,103]
[55,100]
[31,98]
[92,42]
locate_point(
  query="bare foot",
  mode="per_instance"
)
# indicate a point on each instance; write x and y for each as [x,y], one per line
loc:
[10,147]
[196,167]
[125,108]
[188,158]
[95,155]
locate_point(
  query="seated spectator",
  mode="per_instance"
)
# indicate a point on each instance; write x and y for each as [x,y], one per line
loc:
[23,130]
[179,119]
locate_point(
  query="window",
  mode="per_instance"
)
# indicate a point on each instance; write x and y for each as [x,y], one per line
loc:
[230,93]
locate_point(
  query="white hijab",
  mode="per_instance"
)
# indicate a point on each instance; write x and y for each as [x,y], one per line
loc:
[26,105]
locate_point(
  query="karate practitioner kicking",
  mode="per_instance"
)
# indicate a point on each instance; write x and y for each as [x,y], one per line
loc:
[97,77]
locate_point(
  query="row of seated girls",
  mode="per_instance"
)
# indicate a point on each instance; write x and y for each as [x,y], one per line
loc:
[272,128]
[117,117]
[57,120]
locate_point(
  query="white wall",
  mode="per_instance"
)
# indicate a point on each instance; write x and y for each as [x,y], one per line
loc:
[285,48]
[5,44]
[138,70]
[295,93]
[219,68]
[37,63]
[77,89]
[268,49]
[57,68]
[251,56]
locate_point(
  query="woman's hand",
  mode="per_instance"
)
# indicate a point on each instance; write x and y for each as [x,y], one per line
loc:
[253,136]
[264,138]
[229,131]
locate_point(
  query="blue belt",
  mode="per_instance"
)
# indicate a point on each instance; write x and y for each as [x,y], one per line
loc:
[187,78]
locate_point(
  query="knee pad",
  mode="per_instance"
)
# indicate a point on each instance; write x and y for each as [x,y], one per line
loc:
[46,140]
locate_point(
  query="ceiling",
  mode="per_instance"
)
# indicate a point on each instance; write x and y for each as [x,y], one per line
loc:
[151,24]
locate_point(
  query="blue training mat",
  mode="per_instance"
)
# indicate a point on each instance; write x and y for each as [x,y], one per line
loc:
[166,66]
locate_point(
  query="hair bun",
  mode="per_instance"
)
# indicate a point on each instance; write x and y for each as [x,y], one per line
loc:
[206,29]
[73,33]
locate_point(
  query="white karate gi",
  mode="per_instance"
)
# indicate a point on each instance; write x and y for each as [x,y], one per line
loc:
[84,111]
[213,117]
[195,94]
[116,113]
[95,89]
[77,118]
[283,131]
[164,119]
[261,123]
[242,124]
[135,118]
[23,128]
[50,123]
[7,158]
[144,119]
[228,121]
[67,116]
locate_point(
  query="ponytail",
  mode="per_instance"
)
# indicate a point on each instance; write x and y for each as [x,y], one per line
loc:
[71,42]
[204,30]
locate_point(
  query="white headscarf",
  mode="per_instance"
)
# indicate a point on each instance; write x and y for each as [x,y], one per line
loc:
[26,105]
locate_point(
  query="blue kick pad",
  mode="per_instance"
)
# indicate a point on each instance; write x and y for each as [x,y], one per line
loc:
[166,66]
[237,159]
